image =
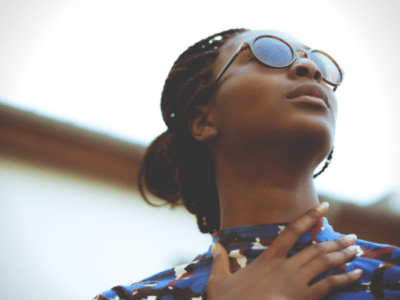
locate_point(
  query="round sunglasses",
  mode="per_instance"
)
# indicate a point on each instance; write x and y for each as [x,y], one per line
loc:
[275,52]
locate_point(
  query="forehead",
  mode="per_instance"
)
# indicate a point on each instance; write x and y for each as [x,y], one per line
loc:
[238,40]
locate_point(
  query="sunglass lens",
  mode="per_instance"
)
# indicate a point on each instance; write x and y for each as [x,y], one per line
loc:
[328,68]
[273,52]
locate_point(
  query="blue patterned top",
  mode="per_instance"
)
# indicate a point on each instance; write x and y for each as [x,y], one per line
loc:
[380,279]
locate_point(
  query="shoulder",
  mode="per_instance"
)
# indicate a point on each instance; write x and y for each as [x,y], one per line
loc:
[187,281]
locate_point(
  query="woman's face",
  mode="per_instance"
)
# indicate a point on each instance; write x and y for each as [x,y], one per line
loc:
[256,105]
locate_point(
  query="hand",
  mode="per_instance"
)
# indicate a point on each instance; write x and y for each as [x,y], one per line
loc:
[273,276]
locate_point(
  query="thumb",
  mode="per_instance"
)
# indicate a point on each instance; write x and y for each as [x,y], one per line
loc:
[220,263]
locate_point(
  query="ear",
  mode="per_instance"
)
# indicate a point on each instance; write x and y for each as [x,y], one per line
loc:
[202,124]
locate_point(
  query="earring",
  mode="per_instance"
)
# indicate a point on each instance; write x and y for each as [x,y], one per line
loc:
[328,161]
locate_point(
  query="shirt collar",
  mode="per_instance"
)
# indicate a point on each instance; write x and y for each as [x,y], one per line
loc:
[259,237]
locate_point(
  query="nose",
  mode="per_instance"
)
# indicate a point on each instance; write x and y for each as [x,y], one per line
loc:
[304,67]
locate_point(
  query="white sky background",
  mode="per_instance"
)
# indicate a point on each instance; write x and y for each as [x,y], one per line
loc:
[102,65]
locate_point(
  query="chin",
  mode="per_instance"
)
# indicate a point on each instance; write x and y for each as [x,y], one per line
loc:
[313,136]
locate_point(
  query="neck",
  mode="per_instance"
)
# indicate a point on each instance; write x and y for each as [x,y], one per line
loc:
[256,190]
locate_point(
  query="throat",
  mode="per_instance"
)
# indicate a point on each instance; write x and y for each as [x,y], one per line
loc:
[264,201]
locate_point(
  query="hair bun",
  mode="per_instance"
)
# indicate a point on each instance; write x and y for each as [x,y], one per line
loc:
[159,170]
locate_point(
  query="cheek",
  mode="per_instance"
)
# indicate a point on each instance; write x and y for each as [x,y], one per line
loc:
[249,95]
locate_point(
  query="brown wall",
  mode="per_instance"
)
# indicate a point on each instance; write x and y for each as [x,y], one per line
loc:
[375,223]
[46,141]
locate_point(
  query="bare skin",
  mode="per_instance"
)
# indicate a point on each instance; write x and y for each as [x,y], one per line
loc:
[265,148]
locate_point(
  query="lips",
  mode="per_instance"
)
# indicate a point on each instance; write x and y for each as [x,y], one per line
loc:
[309,89]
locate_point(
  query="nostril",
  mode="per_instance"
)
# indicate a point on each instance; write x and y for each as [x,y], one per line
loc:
[317,75]
[301,71]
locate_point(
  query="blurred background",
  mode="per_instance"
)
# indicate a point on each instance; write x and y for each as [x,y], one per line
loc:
[80,85]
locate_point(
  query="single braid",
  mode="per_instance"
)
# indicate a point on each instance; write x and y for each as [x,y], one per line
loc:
[180,74]
[327,163]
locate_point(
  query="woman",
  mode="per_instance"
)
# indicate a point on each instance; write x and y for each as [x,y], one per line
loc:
[250,116]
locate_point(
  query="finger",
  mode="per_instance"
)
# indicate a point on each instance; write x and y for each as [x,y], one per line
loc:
[289,236]
[220,263]
[326,262]
[333,282]
[304,256]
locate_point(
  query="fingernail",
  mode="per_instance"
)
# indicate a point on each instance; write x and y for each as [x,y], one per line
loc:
[356,272]
[321,209]
[214,250]
[349,240]
[352,249]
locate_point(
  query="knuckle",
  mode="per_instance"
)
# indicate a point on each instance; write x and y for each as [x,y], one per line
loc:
[339,242]
[213,279]
[329,261]
[333,282]
[320,248]
[296,228]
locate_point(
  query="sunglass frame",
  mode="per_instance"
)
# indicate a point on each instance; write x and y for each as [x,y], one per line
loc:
[249,44]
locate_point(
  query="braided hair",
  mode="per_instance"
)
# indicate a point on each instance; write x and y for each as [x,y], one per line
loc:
[176,167]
